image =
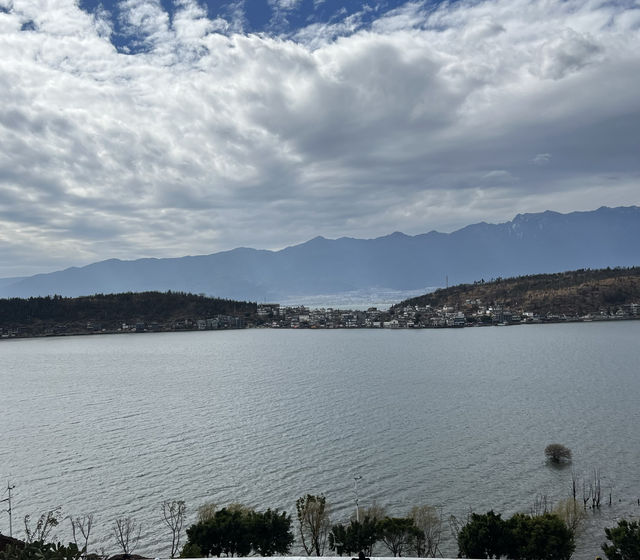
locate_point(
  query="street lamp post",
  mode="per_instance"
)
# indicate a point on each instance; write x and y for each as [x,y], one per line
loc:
[355,479]
[9,488]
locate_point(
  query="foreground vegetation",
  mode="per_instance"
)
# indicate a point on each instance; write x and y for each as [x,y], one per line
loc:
[237,530]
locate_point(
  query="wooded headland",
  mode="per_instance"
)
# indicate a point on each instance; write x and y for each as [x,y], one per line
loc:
[572,293]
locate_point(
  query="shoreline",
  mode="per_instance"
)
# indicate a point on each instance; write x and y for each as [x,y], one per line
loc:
[568,320]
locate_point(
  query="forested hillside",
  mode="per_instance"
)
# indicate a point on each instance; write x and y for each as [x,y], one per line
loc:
[110,311]
[575,292]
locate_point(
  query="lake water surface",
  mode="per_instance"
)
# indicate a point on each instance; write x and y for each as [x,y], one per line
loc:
[453,418]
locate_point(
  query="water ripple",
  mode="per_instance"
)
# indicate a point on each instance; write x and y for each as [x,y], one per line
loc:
[458,419]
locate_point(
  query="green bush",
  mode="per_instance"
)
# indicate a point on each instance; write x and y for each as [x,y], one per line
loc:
[239,531]
[485,536]
[523,537]
[625,541]
[39,550]
[539,537]
[191,550]
[355,537]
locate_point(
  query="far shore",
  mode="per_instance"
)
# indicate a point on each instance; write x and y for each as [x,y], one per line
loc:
[87,332]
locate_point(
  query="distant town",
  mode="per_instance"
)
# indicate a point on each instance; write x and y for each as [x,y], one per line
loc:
[416,317]
[275,316]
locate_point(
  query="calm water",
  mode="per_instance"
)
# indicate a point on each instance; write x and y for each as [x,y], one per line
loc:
[454,418]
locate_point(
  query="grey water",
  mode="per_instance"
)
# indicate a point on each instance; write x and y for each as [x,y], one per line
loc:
[459,419]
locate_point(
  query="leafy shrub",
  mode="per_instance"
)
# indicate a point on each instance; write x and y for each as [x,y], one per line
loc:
[557,453]
[523,537]
[39,550]
[625,541]
[239,531]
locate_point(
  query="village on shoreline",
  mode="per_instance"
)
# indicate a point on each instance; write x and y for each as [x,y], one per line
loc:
[574,296]
[422,317]
[276,316]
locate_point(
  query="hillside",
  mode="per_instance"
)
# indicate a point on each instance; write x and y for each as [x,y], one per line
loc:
[574,293]
[58,315]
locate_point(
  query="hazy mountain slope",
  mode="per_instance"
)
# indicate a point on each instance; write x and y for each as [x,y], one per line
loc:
[529,244]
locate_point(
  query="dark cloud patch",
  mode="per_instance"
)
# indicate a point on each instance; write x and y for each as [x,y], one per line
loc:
[29,25]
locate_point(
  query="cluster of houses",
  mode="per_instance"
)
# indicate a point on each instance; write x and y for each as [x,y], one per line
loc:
[96,327]
[273,315]
[276,316]
[476,314]
[212,323]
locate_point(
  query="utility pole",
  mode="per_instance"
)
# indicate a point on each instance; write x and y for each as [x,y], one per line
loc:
[9,488]
[355,479]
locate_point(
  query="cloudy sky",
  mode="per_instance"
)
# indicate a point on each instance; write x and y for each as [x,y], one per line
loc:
[143,128]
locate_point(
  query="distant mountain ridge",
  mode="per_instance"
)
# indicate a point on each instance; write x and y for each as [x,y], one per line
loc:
[529,244]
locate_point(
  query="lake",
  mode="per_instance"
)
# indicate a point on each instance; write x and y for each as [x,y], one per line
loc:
[455,418]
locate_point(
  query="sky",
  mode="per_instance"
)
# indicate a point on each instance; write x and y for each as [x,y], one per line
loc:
[140,128]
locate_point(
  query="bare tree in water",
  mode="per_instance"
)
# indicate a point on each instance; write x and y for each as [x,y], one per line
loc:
[586,492]
[596,484]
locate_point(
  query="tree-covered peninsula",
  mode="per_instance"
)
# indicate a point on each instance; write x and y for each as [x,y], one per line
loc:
[121,312]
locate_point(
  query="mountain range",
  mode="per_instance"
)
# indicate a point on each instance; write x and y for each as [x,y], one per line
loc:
[529,244]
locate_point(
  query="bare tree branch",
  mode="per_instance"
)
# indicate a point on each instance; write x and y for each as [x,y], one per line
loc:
[46,523]
[82,525]
[127,533]
[173,513]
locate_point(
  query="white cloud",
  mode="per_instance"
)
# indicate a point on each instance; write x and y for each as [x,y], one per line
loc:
[411,15]
[428,118]
[499,176]
[541,159]
[569,52]
[285,4]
